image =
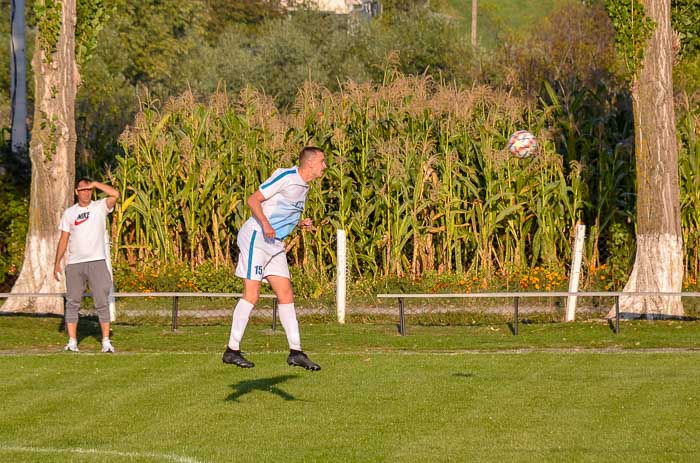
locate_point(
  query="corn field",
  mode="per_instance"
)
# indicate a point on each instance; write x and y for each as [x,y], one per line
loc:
[419,176]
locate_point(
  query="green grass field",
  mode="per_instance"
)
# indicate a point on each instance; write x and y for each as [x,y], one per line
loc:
[557,392]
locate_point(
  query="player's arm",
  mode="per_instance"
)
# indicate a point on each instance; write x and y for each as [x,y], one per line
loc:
[60,251]
[112,193]
[307,224]
[255,204]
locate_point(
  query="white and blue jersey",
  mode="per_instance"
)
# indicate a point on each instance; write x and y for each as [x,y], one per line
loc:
[285,196]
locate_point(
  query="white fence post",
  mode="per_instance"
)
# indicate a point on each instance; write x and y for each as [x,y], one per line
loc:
[575,272]
[108,254]
[112,305]
[341,275]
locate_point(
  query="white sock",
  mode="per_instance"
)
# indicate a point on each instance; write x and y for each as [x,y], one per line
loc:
[238,323]
[73,341]
[288,317]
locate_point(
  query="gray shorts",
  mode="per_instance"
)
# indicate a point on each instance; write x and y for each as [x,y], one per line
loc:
[94,273]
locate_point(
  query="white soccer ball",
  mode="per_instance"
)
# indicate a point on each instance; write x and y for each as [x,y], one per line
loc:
[522,144]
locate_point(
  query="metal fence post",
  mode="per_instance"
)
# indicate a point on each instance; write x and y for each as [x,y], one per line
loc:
[65,326]
[402,318]
[516,301]
[274,314]
[176,303]
[617,314]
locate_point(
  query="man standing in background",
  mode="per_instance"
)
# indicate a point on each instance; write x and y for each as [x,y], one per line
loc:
[83,228]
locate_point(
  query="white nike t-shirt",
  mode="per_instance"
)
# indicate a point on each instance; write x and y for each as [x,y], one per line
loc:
[86,226]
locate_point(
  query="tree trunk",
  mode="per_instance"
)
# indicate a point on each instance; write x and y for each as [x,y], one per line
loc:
[18,78]
[658,264]
[474,16]
[52,152]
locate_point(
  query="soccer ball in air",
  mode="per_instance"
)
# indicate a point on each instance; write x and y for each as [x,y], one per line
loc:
[522,144]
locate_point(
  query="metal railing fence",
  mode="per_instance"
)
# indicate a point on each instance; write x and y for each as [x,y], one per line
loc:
[175,297]
[516,296]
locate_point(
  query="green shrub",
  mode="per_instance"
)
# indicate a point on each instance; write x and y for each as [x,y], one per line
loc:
[14,207]
[308,285]
[621,249]
[420,43]
[129,280]
[13,223]
[175,278]
[209,278]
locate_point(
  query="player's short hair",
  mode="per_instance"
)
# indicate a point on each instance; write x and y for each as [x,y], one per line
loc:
[308,153]
[81,180]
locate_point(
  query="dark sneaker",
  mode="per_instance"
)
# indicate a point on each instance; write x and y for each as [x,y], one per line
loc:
[234,357]
[299,359]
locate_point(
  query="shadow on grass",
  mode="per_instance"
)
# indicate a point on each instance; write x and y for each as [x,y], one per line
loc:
[654,316]
[631,316]
[89,327]
[463,375]
[264,385]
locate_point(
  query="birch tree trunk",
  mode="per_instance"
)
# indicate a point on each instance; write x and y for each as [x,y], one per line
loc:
[52,152]
[18,78]
[474,23]
[658,264]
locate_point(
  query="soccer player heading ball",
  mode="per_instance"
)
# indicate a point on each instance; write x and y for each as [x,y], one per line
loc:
[276,207]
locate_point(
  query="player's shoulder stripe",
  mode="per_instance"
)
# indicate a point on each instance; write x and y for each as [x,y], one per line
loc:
[291,171]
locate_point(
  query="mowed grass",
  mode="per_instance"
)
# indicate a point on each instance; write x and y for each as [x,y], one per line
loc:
[557,392]
[26,334]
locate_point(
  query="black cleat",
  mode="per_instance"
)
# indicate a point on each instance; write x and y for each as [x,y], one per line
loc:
[234,357]
[299,359]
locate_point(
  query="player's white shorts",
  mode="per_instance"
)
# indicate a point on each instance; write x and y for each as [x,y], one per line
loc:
[259,257]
